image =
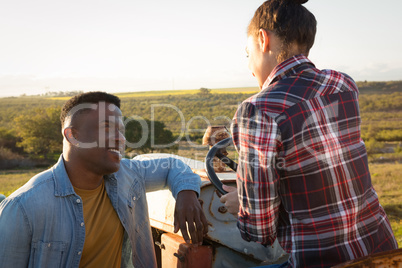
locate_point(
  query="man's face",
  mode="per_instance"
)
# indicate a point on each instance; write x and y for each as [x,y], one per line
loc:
[100,136]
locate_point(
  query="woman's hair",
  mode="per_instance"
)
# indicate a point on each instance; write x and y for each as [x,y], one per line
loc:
[289,20]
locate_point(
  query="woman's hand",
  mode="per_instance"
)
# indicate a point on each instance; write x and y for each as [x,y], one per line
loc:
[231,200]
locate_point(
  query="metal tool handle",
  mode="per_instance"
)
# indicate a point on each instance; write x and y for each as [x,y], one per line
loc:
[209,166]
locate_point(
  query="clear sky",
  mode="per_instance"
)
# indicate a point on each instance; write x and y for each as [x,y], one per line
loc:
[138,45]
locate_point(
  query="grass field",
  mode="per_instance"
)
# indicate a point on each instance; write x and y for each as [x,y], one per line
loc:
[387,180]
[11,180]
[159,93]
[380,104]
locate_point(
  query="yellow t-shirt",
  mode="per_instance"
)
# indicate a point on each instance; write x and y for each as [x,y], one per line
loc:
[103,230]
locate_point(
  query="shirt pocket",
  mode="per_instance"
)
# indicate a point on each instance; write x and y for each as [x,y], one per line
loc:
[135,193]
[48,254]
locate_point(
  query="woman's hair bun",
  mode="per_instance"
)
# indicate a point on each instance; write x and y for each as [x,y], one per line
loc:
[300,2]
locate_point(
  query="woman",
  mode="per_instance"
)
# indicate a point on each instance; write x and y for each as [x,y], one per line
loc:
[303,175]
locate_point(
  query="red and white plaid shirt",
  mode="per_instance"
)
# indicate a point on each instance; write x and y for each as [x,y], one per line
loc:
[303,175]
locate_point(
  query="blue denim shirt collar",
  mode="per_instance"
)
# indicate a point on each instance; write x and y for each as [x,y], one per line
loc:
[62,183]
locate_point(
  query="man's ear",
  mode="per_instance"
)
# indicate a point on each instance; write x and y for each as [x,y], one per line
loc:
[263,40]
[69,135]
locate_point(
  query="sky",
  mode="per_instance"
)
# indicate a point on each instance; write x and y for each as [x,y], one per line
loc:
[137,45]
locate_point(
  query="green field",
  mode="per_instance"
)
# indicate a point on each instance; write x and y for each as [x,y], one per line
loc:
[380,106]
[164,93]
[387,181]
[183,92]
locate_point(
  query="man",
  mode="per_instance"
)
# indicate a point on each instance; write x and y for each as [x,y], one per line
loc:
[90,210]
[303,175]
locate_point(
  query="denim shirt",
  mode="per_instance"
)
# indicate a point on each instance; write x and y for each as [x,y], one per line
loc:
[42,223]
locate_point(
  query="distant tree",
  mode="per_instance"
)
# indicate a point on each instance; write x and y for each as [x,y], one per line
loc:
[9,140]
[148,135]
[204,92]
[40,131]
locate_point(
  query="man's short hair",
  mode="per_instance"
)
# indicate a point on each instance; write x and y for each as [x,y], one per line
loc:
[89,97]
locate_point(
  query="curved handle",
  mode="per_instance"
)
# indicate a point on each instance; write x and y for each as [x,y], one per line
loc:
[209,166]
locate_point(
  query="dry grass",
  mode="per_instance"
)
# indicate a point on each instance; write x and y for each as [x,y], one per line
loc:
[11,180]
[387,181]
[159,93]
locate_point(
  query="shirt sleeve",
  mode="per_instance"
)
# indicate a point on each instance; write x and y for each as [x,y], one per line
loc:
[172,173]
[15,235]
[257,138]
